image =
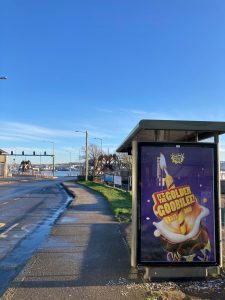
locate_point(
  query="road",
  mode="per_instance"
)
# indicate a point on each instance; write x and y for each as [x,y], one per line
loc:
[27,212]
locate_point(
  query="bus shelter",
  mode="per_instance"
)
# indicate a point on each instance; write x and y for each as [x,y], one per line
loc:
[176,204]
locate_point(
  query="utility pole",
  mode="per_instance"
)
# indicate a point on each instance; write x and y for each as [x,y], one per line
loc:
[86,153]
[53,159]
[53,156]
[86,173]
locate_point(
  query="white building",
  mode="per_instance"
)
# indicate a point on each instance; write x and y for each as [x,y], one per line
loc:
[3,163]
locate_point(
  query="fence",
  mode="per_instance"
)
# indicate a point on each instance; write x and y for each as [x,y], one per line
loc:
[123,182]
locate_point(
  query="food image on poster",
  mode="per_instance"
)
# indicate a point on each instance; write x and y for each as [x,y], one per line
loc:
[177,204]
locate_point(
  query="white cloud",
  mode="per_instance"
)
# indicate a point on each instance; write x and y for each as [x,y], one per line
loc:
[14,131]
[147,114]
[138,112]
[23,130]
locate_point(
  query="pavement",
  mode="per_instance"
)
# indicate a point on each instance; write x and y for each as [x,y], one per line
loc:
[87,256]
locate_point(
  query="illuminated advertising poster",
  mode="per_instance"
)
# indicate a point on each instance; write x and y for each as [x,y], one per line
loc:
[177,212]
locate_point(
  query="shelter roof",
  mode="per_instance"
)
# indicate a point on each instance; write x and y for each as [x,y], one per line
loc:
[171,130]
[3,152]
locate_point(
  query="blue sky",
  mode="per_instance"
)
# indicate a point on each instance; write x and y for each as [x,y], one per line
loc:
[105,65]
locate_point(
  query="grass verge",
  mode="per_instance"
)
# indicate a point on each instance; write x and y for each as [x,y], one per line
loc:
[120,201]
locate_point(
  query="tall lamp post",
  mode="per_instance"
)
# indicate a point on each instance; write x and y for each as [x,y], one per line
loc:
[53,156]
[100,140]
[86,153]
[69,162]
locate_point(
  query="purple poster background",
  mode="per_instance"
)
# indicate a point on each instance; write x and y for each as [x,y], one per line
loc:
[196,171]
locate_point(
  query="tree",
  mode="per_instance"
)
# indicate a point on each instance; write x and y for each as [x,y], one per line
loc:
[109,162]
[124,162]
[25,166]
[94,160]
[100,163]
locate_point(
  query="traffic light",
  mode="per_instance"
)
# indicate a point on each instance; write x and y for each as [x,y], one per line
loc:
[33,152]
[22,152]
[11,152]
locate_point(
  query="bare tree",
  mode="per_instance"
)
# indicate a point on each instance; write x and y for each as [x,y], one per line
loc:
[25,166]
[124,162]
[94,154]
[100,163]
[109,162]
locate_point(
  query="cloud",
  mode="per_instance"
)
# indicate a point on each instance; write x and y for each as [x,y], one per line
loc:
[23,131]
[138,113]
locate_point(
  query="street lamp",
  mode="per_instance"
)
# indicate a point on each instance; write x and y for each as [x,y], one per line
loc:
[70,161]
[95,138]
[86,151]
[53,156]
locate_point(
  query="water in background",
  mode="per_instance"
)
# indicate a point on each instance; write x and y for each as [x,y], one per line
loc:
[61,173]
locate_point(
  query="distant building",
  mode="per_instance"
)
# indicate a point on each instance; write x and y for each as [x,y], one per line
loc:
[222,165]
[3,163]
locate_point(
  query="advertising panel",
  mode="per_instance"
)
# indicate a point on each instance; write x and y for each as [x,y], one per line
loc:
[177,208]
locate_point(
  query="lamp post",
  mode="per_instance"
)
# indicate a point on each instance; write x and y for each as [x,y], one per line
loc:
[86,153]
[69,163]
[100,140]
[53,156]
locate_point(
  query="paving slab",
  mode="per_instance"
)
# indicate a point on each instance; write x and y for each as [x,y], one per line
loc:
[85,257]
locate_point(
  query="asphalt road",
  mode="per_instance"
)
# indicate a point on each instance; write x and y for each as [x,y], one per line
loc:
[27,212]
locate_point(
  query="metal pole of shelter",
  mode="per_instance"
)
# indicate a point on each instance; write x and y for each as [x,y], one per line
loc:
[86,171]
[216,141]
[134,203]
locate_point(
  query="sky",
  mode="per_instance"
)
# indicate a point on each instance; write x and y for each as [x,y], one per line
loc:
[105,65]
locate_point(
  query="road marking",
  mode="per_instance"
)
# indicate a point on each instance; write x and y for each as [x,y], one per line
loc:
[4,235]
[16,199]
[25,228]
[4,203]
[2,225]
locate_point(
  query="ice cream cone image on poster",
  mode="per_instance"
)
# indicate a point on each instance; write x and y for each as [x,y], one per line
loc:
[180,228]
[170,184]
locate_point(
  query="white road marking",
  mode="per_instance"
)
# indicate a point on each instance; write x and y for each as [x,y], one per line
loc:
[4,235]
[16,199]
[25,228]
[4,203]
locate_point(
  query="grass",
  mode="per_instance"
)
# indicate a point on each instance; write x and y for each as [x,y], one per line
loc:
[120,201]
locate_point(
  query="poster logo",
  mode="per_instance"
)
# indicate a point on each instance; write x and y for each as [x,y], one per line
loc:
[177,158]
